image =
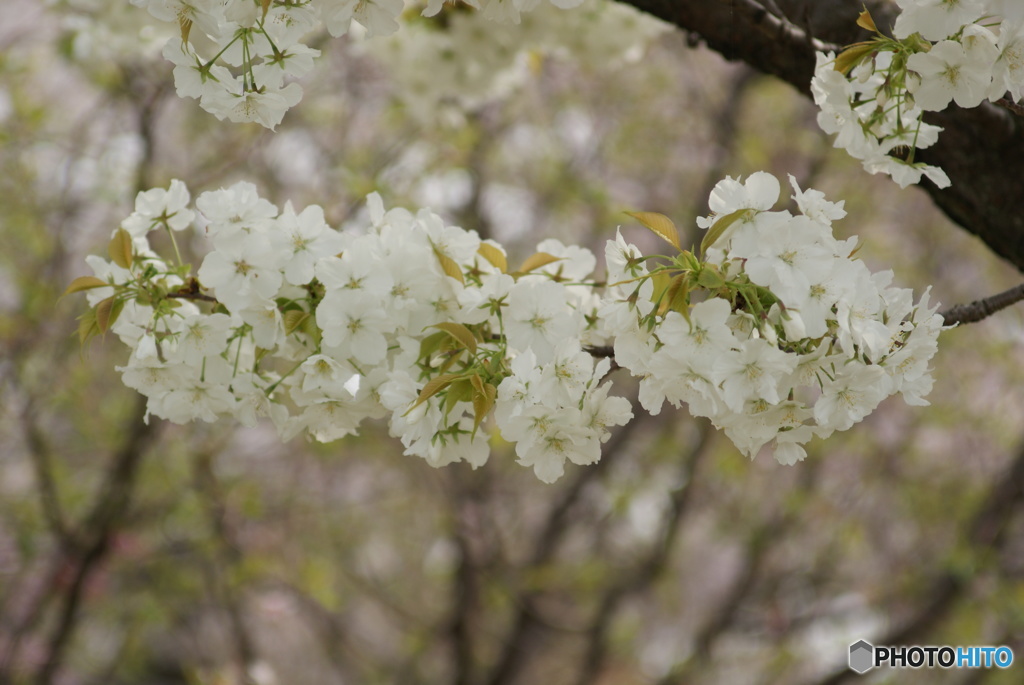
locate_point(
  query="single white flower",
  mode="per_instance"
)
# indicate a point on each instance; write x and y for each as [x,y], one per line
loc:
[852,395]
[760,191]
[754,371]
[936,19]
[302,239]
[538,318]
[947,73]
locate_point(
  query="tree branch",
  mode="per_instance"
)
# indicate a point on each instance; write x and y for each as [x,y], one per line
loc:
[981,149]
[981,309]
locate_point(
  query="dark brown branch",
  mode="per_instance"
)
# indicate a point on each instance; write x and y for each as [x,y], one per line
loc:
[982,309]
[197,297]
[1009,104]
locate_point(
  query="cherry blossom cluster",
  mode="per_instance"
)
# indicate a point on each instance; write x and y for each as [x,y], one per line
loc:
[238,57]
[316,329]
[794,338]
[873,95]
[776,333]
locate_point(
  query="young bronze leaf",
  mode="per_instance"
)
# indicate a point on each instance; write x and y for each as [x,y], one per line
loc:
[292,319]
[495,256]
[661,282]
[434,386]
[866,22]
[462,334]
[483,402]
[459,391]
[120,249]
[104,311]
[431,344]
[478,382]
[659,224]
[450,267]
[853,55]
[310,328]
[677,298]
[87,327]
[115,311]
[719,227]
[84,283]
[536,261]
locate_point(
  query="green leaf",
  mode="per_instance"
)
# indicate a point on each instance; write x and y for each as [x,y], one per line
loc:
[432,343]
[460,333]
[84,283]
[720,226]
[710,278]
[120,249]
[495,256]
[659,224]
[536,261]
[459,391]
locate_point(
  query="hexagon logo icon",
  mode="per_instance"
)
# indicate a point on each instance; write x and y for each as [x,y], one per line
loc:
[862,655]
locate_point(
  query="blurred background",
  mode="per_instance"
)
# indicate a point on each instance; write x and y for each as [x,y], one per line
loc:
[212,554]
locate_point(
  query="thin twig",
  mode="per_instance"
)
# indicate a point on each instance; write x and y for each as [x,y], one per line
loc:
[981,309]
[95,535]
[223,561]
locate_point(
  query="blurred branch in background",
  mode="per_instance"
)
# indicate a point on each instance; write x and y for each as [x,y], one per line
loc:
[986,534]
[233,558]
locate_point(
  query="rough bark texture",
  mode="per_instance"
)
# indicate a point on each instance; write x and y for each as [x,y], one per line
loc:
[981,149]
